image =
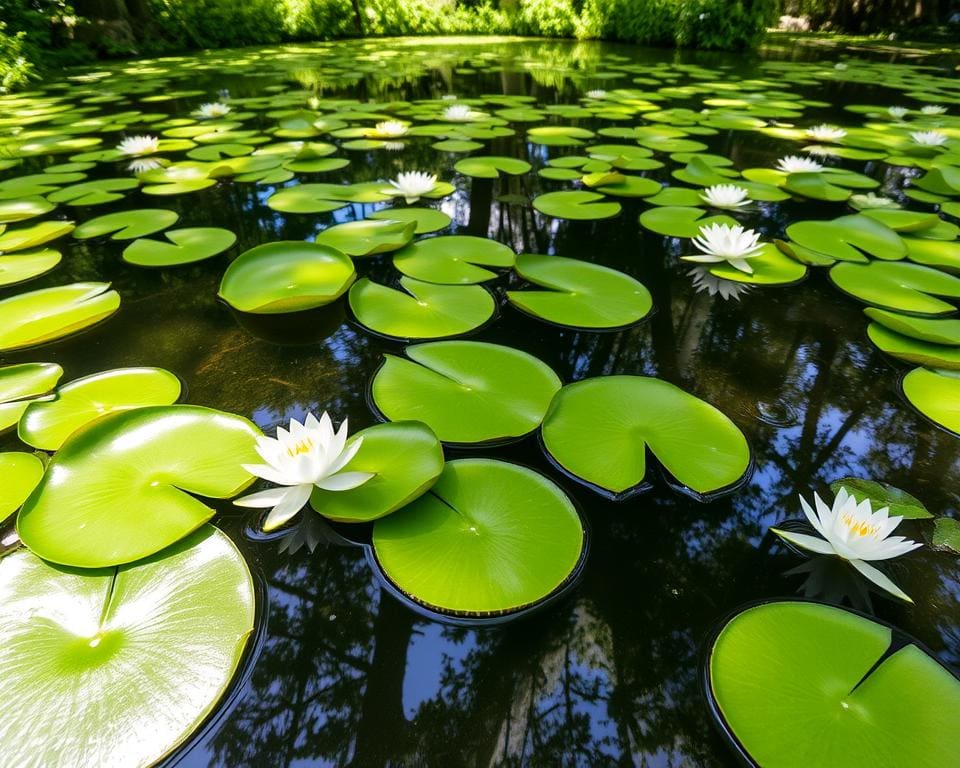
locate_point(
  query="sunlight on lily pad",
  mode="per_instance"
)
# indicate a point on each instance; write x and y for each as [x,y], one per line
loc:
[21,473]
[366,237]
[28,319]
[186,246]
[936,395]
[453,259]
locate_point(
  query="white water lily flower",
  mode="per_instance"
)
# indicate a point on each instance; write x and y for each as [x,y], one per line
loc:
[824,132]
[139,145]
[797,164]
[144,164]
[705,282]
[414,184]
[897,112]
[723,243]
[856,533]
[391,129]
[213,109]
[929,138]
[596,93]
[840,65]
[458,113]
[933,109]
[309,455]
[726,196]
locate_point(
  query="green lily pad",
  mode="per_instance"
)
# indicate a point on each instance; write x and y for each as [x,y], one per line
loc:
[457,145]
[93,192]
[47,424]
[21,473]
[490,538]
[913,350]
[490,167]
[453,259]
[815,186]
[933,330]
[427,220]
[946,535]
[577,205]
[127,225]
[848,238]
[558,135]
[287,276]
[903,221]
[900,503]
[559,174]
[942,254]
[770,268]
[466,391]
[599,431]
[169,629]
[896,286]
[28,319]
[120,490]
[630,186]
[677,197]
[678,221]
[579,294]
[33,236]
[366,237]
[186,246]
[19,384]
[320,198]
[801,684]
[425,311]
[36,184]
[20,267]
[405,459]
[936,395]
[12,211]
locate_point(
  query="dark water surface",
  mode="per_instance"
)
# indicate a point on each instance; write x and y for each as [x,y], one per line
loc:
[341,671]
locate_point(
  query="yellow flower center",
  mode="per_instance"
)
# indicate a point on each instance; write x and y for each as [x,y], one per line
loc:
[859,527]
[304,446]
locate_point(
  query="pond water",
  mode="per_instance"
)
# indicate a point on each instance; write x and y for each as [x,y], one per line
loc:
[341,671]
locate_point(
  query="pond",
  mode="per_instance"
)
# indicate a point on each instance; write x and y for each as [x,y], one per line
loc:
[342,668]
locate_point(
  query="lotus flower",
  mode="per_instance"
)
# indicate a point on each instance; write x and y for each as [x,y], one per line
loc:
[413,185]
[309,455]
[723,243]
[596,93]
[933,109]
[391,129]
[726,196]
[139,145]
[704,282]
[797,164]
[213,109]
[929,138]
[856,533]
[458,113]
[897,113]
[824,132]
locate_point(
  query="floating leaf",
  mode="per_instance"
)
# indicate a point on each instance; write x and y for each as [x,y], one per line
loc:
[425,311]
[120,489]
[934,330]
[630,186]
[897,286]
[848,238]
[12,211]
[127,225]
[942,254]
[20,267]
[453,259]
[21,472]
[488,539]
[167,633]
[28,319]
[578,205]
[816,186]
[599,431]
[33,236]
[288,276]
[47,424]
[427,219]
[490,167]
[320,198]
[946,534]
[801,684]
[936,395]
[677,221]
[579,294]
[19,384]
[900,503]
[405,459]
[93,192]
[771,267]
[366,237]
[558,135]
[186,246]
[466,391]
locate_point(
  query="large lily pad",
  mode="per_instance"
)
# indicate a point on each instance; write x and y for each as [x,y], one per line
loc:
[466,391]
[770,268]
[138,656]
[599,431]
[577,205]
[489,538]
[680,221]
[20,267]
[48,423]
[368,237]
[453,259]
[934,330]
[848,238]
[896,286]
[935,394]
[127,225]
[579,294]
[913,350]
[287,276]
[21,472]
[22,383]
[40,316]
[427,220]
[320,198]
[799,684]
[490,167]
[425,311]
[405,459]
[33,236]
[120,490]
[186,246]
[24,208]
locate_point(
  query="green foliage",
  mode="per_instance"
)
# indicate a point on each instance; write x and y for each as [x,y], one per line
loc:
[15,69]
[218,23]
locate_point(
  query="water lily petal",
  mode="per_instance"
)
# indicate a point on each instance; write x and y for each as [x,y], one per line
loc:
[291,504]
[344,481]
[812,516]
[268,498]
[878,578]
[345,456]
[270,474]
[802,540]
